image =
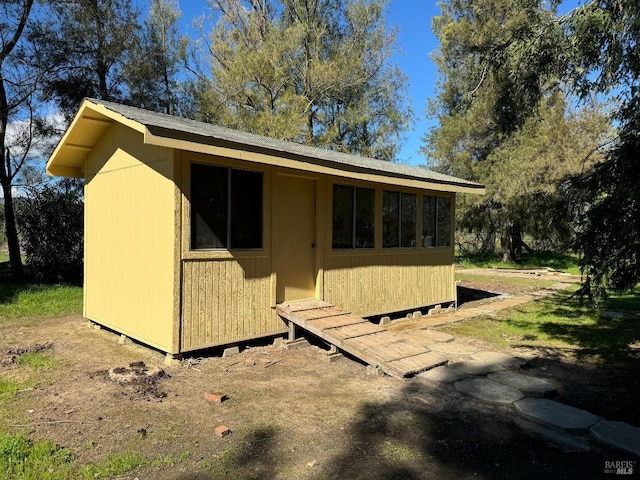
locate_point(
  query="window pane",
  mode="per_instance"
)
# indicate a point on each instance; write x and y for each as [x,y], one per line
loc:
[429,221]
[365,215]
[342,217]
[408,220]
[208,206]
[246,209]
[390,219]
[444,222]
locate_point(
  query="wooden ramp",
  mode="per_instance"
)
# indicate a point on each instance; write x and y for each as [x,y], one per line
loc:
[360,338]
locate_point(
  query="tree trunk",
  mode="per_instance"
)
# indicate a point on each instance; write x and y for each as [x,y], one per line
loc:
[511,243]
[17,271]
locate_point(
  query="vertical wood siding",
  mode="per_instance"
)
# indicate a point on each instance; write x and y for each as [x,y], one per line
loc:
[227,300]
[130,238]
[386,282]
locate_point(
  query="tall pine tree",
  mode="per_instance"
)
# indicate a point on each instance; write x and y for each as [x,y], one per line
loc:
[500,105]
[87,46]
[313,71]
[156,63]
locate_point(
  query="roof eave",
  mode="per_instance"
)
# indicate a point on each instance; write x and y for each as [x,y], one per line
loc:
[212,146]
[91,120]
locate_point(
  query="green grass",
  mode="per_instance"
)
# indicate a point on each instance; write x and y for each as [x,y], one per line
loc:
[26,300]
[562,322]
[25,459]
[36,360]
[21,459]
[564,262]
[8,389]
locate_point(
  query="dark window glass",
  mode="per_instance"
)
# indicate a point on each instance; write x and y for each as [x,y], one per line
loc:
[246,209]
[390,219]
[398,219]
[408,207]
[365,212]
[436,221]
[429,221]
[342,217]
[444,222]
[209,205]
[353,217]
[226,208]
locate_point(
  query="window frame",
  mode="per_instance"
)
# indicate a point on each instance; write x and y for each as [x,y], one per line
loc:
[400,223]
[354,217]
[435,224]
[228,247]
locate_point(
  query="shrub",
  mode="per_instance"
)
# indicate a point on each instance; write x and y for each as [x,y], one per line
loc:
[51,228]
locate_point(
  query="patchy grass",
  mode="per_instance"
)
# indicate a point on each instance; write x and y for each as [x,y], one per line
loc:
[38,300]
[564,262]
[561,321]
[524,282]
[36,360]
[8,389]
[399,452]
[116,465]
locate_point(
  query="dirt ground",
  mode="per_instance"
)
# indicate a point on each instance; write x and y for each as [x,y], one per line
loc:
[291,415]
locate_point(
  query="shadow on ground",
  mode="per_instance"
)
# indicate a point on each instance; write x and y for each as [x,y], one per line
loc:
[426,431]
[436,433]
[466,295]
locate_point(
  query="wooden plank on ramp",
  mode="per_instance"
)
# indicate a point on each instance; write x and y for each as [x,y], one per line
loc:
[360,338]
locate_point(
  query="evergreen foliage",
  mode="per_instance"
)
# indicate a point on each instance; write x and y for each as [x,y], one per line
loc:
[155,61]
[605,38]
[314,71]
[84,44]
[51,226]
[504,122]
[507,69]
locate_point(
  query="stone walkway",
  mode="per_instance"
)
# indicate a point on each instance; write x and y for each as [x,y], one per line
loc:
[494,377]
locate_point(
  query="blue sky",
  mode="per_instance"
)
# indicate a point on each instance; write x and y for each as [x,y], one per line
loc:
[416,42]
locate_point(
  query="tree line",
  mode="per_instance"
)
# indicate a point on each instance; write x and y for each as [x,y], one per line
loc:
[544,109]
[540,107]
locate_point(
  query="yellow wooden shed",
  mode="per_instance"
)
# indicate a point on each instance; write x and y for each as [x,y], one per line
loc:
[195,232]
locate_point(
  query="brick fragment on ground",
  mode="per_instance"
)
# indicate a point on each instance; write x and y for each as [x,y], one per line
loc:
[215,397]
[222,431]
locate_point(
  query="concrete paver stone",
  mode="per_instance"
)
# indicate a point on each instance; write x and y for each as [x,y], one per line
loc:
[565,442]
[488,391]
[618,435]
[443,374]
[556,415]
[530,386]
[477,367]
[499,358]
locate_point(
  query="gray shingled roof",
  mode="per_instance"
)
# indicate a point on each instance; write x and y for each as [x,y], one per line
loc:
[212,134]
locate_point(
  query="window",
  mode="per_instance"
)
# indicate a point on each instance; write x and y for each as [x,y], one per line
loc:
[436,221]
[226,208]
[353,217]
[398,219]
